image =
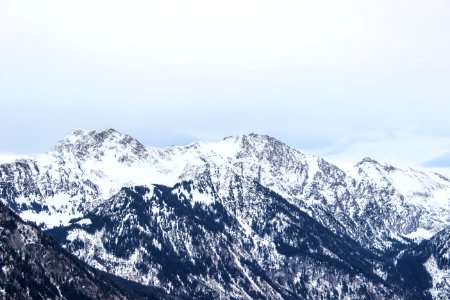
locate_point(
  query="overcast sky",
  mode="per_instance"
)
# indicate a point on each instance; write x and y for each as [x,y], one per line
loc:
[341,79]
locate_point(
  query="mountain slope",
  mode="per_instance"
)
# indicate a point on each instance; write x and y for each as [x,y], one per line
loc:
[434,256]
[173,238]
[438,264]
[35,267]
[412,204]
[86,165]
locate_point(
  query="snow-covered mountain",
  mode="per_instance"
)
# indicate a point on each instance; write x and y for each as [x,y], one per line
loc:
[89,166]
[157,235]
[89,175]
[413,204]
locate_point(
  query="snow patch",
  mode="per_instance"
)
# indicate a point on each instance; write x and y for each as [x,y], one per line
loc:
[50,220]
[440,277]
[85,221]
[202,197]
[420,234]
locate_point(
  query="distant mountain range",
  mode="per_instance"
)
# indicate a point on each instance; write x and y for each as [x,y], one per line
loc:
[247,217]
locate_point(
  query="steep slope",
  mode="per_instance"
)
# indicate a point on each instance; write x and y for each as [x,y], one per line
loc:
[427,266]
[382,207]
[433,256]
[35,267]
[438,264]
[184,239]
[86,165]
[403,203]
[308,182]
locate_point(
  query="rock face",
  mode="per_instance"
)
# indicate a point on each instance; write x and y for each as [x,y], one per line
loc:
[245,217]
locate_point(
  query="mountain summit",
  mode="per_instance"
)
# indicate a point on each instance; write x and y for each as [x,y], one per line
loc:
[84,144]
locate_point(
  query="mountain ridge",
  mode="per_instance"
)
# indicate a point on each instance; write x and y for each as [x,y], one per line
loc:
[115,160]
[385,210]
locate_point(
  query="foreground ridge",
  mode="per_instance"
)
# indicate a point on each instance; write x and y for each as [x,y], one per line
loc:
[34,266]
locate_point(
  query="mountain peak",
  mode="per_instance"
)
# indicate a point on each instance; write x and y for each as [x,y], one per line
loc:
[251,136]
[367,160]
[255,141]
[82,135]
[83,143]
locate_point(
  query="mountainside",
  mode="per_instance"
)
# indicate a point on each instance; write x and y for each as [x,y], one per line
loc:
[245,217]
[35,267]
[61,184]
[411,203]
[434,256]
[159,236]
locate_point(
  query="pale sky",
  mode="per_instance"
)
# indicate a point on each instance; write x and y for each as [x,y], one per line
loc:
[340,79]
